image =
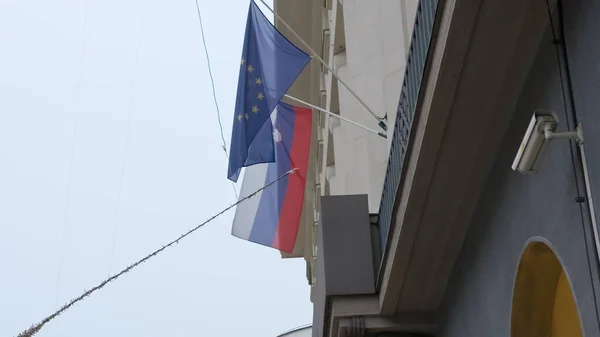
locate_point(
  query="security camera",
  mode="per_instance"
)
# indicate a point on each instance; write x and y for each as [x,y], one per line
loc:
[540,132]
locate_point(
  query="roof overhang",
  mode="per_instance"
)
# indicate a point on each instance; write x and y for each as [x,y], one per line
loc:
[478,64]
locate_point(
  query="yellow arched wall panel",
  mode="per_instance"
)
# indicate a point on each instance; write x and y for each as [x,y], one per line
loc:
[543,303]
[565,321]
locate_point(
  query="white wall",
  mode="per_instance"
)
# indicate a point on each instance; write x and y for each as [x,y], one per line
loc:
[377,35]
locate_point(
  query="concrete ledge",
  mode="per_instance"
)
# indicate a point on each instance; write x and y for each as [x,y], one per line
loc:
[482,55]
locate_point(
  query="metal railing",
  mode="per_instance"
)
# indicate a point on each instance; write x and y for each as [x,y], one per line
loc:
[401,137]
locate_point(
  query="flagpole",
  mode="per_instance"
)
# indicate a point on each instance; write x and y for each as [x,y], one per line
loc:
[315,55]
[380,134]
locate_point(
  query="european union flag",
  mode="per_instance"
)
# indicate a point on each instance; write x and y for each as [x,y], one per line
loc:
[270,64]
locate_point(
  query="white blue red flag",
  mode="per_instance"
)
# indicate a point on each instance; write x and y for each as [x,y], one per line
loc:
[272,216]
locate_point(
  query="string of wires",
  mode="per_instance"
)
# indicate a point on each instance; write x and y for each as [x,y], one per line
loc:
[127,145]
[37,327]
[214,90]
[72,153]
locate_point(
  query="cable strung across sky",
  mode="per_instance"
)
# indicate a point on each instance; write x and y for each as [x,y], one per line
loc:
[270,138]
[37,327]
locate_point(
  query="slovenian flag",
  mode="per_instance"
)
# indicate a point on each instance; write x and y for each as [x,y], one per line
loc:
[272,216]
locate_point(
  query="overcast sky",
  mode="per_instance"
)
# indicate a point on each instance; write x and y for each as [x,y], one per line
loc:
[55,74]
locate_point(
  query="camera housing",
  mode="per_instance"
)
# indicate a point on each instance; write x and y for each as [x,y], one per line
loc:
[541,130]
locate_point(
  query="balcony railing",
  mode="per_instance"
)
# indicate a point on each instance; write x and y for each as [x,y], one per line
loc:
[409,96]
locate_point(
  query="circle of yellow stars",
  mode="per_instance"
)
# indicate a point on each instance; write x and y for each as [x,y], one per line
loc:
[259,96]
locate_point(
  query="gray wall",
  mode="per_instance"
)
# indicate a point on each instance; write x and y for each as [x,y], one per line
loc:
[515,209]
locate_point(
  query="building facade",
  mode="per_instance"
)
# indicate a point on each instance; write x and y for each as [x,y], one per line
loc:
[366,43]
[432,231]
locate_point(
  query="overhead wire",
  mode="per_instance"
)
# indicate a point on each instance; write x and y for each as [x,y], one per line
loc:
[72,154]
[37,327]
[127,141]
[127,144]
[214,90]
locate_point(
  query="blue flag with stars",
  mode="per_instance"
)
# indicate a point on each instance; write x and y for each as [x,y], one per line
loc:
[269,65]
